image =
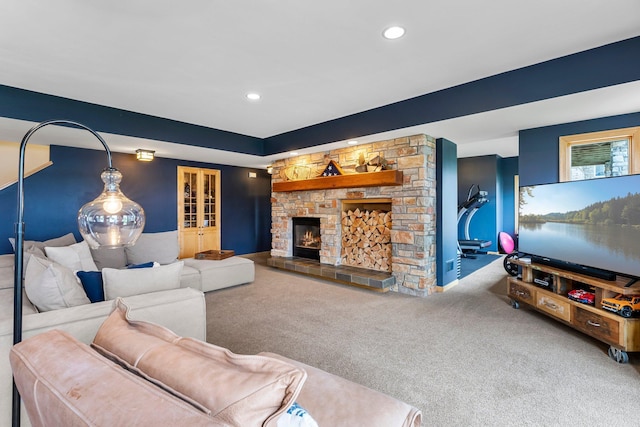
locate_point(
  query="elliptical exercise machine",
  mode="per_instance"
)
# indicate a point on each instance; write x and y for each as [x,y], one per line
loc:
[469,208]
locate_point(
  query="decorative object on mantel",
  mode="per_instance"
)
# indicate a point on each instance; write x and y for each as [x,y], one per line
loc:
[377,164]
[297,172]
[332,169]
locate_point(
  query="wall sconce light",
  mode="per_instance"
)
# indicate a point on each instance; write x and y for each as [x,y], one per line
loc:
[270,169]
[145,155]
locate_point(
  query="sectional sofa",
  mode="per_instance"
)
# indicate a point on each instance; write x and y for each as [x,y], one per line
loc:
[179,307]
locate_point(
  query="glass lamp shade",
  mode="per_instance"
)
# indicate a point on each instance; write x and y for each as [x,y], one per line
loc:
[111,220]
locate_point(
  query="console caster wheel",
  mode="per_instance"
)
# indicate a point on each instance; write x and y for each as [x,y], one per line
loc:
[618,355]
[515,304]
[510,268]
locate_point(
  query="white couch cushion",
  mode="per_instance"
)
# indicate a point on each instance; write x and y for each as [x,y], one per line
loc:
[190,278]
[6,271]
[109,257]
[66,240]
[75,257]
[51,286]
[223,273]
[6,304]
[124,283]
[157,247]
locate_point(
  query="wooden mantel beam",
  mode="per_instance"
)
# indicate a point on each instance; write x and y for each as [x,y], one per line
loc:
[365,179]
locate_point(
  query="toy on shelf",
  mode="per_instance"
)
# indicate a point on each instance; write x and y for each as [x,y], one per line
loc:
[624,305]
[582,296]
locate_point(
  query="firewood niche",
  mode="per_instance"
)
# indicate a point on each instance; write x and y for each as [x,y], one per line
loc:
[366,179]
[366,234]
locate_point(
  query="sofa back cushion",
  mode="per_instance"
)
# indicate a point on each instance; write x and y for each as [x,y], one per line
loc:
[109,257]
[66,240]
[238,390]
[64,382]
[163,248]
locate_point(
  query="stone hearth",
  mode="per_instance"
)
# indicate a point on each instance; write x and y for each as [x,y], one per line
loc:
[412,208]
[361,277]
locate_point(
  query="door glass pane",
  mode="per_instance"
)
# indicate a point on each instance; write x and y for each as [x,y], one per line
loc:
[209,200]
[190,200]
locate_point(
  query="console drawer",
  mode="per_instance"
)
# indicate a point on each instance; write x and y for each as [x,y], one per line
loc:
[521,292]
[553,306]
[600,327]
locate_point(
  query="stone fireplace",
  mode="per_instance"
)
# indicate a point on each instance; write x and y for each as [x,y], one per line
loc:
[407,209]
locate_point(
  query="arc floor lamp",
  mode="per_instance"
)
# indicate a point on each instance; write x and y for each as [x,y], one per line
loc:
[111,220]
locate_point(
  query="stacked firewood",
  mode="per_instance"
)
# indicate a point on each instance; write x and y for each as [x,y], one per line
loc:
[366,239]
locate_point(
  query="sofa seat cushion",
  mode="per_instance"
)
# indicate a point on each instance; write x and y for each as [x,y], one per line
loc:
[239,390]
[6,271]
[218,274]
[190,278]
[6,304]
[64,382]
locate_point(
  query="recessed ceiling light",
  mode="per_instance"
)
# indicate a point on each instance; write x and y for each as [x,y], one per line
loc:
[253,96]
[392,33]
[352,142]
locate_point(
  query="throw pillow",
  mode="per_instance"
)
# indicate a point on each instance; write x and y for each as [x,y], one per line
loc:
[124,283]
[161,247]
[296,416]
[238,390]
[75,257]
[92,284]
[145,265]
[51,286]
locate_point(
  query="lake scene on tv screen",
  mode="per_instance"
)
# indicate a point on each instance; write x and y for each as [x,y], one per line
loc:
[594,223]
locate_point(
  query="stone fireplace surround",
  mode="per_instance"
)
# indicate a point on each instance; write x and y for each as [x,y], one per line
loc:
[413,204]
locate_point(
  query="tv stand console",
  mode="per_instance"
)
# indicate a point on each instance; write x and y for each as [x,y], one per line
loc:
[546,289]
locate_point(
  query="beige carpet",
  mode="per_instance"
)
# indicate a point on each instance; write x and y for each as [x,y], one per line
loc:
[464,357]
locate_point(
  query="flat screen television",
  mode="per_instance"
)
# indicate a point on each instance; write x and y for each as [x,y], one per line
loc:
[590,226]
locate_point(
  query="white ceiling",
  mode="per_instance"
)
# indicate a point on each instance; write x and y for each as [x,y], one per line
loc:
[195,60]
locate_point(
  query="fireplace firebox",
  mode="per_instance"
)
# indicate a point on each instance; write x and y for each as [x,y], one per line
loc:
[306,237]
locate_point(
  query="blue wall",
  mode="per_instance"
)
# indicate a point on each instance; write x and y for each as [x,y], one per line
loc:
[446,211]
[54,195]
